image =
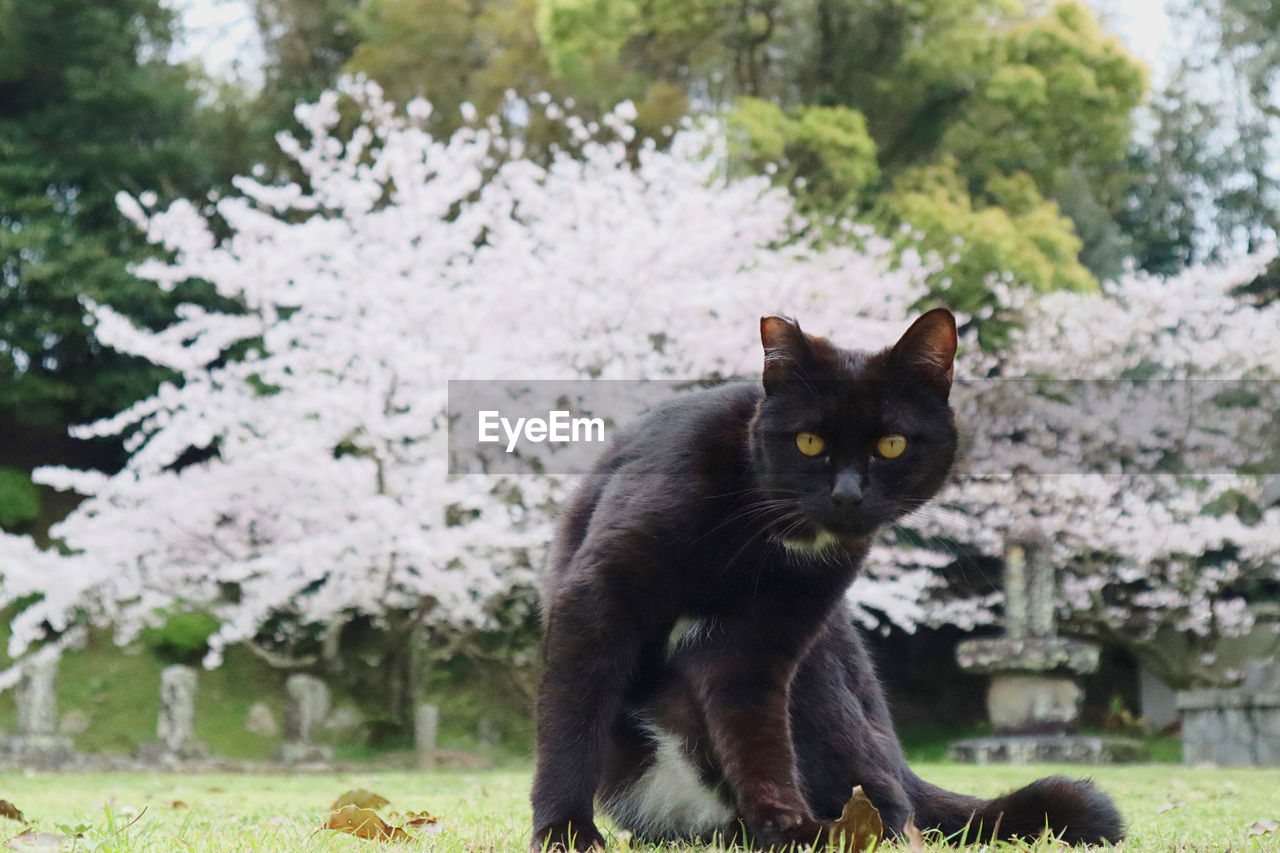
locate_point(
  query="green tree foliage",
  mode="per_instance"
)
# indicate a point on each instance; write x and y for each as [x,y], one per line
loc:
[612,49]
[19,500]
[1211,183]
[306,43]
[89,107]
[456,52]
[419,48]
[823,153]
[1017,232]
[1178,173]
[183,636]
[452,52]
[477,52]
[998,129]
[1250,32]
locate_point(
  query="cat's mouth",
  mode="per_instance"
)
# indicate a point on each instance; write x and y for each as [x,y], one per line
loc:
[844,526]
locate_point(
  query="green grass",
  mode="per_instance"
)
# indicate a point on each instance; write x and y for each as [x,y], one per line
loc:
[1168,808]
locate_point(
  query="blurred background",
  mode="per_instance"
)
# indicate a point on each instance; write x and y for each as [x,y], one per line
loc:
[1093,187]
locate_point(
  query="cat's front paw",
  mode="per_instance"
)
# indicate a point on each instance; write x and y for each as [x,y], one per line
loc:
[785,830]
[567,837]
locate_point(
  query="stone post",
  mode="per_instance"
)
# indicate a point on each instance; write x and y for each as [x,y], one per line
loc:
[1041,590]
[1016,621]
[37,700]
[176,725]
[36,696]
[426,725]
[308,706]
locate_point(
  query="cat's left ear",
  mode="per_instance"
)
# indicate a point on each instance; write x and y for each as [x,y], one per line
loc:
[785,349]
[929,347]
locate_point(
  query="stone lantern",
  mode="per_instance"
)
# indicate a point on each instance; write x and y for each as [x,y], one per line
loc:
[1034,697]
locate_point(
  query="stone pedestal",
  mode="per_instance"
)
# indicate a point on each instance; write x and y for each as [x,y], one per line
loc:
[1235,727]
[1049,749]
[1032,704]
[1034,680]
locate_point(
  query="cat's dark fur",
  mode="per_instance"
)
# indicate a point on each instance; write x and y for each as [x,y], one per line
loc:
[703,675]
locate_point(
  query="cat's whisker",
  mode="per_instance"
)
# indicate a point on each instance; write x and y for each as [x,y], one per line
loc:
[758,490]
[748,512]
[931,544]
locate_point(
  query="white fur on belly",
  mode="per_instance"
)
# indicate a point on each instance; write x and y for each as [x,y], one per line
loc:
[669,801]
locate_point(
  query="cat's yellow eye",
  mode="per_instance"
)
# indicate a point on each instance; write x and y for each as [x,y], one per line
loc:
[891,446]
[810,444]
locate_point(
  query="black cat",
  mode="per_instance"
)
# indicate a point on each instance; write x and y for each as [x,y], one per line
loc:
[703,675]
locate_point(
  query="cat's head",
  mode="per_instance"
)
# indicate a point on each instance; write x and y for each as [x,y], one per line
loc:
[846,441]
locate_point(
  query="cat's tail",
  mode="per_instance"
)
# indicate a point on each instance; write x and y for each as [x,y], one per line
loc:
[1073,810]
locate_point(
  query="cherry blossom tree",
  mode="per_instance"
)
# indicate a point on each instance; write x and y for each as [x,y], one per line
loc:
[1136,476]
[297,474]
[318,409]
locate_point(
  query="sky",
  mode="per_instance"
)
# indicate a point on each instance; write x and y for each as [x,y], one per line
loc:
[222,34]
[1145,27]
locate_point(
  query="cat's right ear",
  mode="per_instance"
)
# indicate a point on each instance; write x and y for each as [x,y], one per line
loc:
[929,348]
[785,347]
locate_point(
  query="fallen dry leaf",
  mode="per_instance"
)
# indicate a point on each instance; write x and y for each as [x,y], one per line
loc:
[9,810]
[361,799]
[178,804]
[859,827]
[1263,827]
[364,823]
[32,840]
[416,820]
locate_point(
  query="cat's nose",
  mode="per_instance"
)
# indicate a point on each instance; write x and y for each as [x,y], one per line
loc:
[847,491]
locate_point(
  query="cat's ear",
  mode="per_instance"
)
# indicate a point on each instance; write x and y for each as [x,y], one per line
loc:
[929,348]
[785,348]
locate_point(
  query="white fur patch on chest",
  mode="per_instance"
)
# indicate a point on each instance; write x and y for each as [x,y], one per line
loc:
[822,543]
[669,801]
[688,631]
